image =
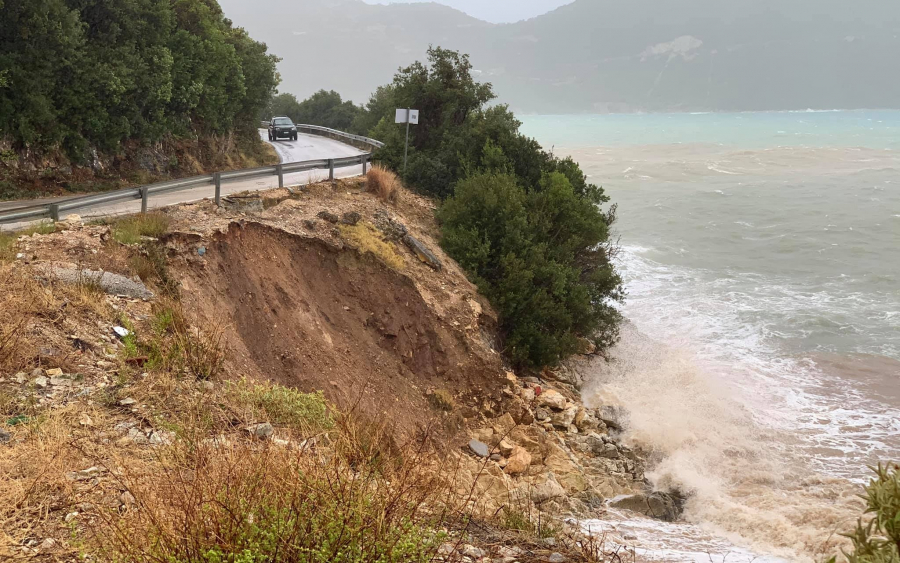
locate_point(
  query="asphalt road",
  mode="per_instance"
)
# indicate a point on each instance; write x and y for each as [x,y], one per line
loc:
[306,147]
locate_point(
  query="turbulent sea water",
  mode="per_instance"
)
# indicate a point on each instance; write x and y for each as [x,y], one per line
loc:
[761,253]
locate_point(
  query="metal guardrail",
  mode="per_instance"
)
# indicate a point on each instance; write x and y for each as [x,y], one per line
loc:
[348,138]
[144,193]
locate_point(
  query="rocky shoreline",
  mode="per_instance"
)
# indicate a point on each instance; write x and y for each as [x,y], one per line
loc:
[564,457]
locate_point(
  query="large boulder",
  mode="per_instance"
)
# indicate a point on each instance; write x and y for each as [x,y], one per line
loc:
[519,461]
[503,425]
[612,416]
[533,439]
[587,422]
[566,375]
[568,473]
[552,399]
[661,506]
[565,418]
[520,411]
[489,487]
[548,490]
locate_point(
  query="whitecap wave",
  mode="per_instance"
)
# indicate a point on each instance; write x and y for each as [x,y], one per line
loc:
[772,446]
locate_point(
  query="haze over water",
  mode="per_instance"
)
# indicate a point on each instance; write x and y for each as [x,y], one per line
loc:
[763,361]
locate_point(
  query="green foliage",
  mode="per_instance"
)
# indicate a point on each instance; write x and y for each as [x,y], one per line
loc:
[282,405]
[7,246]
[330,538]
[538,255]
[130,229]
[326,109]
[130,347]
[176,346]
[527,226]
[878,540]
[81,73]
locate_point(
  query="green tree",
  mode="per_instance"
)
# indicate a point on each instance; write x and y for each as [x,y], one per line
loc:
[324,108]
[41,42]
[878,539]
[81,73]
[527,226]
[451,105]
[537,256]
[284,105]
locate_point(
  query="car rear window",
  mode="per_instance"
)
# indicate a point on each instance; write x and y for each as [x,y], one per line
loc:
[283,122]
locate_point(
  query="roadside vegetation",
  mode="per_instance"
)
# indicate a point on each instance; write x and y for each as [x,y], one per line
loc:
[96,96]
[98,74]
[526,225]
[384,183]
[8,238]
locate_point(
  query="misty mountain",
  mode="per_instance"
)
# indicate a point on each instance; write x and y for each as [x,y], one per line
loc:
[604,55]
[496,11]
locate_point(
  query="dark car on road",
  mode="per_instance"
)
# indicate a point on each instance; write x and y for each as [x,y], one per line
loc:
[282,128]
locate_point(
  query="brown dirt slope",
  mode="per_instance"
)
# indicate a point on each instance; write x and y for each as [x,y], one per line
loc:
[309,314]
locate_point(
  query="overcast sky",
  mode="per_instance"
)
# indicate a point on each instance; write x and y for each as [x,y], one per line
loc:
[496,11]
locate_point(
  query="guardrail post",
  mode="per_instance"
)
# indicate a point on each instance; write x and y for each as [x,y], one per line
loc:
[54,212]
[145,195]
[365,161]
[331,170]
[280,171]
[217,178]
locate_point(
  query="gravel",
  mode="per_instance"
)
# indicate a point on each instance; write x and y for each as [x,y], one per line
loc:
[112,284]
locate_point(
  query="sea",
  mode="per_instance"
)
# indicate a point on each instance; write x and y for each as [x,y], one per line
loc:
[760,361]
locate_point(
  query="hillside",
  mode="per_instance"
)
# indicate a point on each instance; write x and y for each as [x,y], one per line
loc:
[604,55]
[95,95]
[227,351]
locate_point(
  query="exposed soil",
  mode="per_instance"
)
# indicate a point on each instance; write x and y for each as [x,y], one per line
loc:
[311,315]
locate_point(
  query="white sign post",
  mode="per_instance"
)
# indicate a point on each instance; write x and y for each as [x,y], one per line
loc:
[409,117]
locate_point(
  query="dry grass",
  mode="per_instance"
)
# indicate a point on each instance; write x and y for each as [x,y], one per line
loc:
[369,239]
[8,239]
[22,299]
[35,484]
[85,295]
[267,157]
[384,183]
[249,501]
[177,345]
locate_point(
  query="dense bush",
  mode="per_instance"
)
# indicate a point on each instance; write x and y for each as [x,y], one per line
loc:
[526,225]
[878,539]
[538,256]
[326,109]
[81,73]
